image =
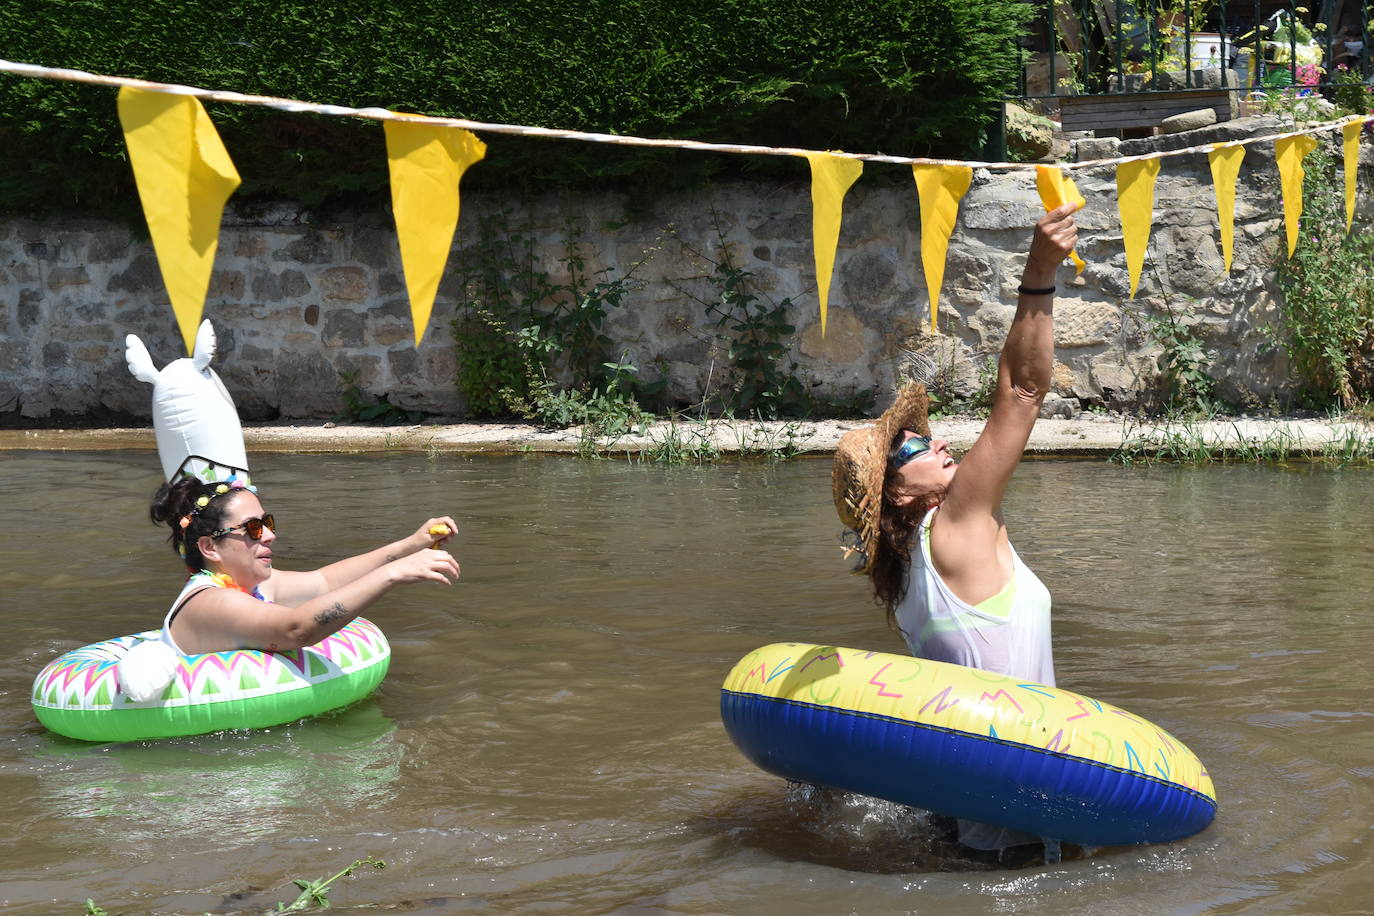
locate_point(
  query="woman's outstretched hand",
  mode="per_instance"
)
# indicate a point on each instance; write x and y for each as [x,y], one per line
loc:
[426,565]
[436,532]
[1056,234]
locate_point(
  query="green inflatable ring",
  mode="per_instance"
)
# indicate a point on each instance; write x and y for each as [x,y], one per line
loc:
[78,695]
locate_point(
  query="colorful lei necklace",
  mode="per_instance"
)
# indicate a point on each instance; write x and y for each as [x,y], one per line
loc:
[224,580]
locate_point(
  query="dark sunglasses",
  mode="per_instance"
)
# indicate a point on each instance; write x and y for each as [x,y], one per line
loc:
[251,527]
[912,448]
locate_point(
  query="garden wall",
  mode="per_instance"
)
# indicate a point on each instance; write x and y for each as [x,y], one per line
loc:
[298,298]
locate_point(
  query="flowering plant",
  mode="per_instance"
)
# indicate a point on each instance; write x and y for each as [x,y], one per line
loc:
[1350,92]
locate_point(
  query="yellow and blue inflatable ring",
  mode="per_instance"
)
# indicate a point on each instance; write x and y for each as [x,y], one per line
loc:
[965,743]
[78,693]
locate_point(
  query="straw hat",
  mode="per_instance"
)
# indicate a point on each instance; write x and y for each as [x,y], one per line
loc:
[861,464]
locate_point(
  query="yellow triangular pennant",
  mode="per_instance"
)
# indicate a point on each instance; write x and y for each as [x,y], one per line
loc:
[426,162]
[184,176]
[1350,142]
[1290,151]
[1135,199]
[1057,189]
[831,177]
[1225,162]
[940,188]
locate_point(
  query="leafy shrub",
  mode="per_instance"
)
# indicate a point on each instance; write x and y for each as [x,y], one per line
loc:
[535,348]
[1327,306]
[917,77]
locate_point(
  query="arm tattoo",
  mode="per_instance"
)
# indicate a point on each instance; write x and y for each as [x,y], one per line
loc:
[331,615]
[392,558]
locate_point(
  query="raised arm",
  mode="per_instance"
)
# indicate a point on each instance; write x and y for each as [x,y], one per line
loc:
[968,541]
[1023,378]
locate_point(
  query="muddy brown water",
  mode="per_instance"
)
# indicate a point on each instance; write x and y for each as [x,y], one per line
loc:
[548,739]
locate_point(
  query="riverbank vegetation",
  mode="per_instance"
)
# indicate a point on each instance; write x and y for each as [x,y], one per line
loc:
[1188,441]
[530,340]
[1327,307]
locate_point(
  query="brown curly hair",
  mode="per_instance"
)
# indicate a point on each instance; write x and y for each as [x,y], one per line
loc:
[896,527]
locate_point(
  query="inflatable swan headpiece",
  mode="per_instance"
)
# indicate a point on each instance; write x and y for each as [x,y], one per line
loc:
[198,430]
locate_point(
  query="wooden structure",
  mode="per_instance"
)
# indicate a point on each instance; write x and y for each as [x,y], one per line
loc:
[1116,111]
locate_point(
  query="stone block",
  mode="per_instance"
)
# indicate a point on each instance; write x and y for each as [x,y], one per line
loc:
[1116,384]
[30,309]
[60,278]
[1059,407]
[404,363]
[1017,210]
[267,287]
[109,245]
[9,396]
[1062,379]
[311,248]
[342,328]
[56,355]
[277,287]
[375,247]
[1085,324]
[249,245]
[1188,120]
[1029,136]
[865,277]
[43,251]
[306,385]
[387,335]
[796,257]
[142,275]
[1089,149]
[844,340]
[344,284]
[226,284]
[784,227]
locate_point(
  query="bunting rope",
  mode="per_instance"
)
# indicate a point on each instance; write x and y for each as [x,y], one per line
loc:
[185,177]
[382,114]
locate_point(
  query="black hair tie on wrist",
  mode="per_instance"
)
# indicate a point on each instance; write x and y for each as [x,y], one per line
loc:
[1047,291]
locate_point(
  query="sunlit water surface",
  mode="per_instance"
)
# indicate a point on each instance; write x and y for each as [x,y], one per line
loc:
[548,739]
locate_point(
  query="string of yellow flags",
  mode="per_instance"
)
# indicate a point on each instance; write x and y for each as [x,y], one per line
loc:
[184,178]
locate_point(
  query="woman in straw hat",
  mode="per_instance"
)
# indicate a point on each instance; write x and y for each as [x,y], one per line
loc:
[930,531]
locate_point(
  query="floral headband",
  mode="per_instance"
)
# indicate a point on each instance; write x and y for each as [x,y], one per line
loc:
[232,484]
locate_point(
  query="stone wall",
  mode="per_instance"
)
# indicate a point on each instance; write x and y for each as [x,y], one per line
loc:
[297,299]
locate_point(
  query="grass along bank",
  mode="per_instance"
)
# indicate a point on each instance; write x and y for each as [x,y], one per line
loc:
[1345,439]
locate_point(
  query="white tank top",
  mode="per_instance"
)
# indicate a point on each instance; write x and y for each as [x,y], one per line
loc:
[196,583]
[1008,633]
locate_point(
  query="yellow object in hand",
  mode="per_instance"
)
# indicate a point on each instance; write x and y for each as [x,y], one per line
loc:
[1057,189]
[438,531]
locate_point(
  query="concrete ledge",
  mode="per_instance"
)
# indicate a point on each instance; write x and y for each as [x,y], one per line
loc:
[1088,434]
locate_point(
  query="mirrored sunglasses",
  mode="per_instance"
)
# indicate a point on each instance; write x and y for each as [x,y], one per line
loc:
[912,448]
[251,527]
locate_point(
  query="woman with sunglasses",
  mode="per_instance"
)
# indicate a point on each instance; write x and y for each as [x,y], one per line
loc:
[929,530]
[236,599]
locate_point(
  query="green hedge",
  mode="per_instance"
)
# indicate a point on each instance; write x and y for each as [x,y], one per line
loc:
[909,78]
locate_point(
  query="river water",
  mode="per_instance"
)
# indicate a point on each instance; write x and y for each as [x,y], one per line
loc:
[548,739]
